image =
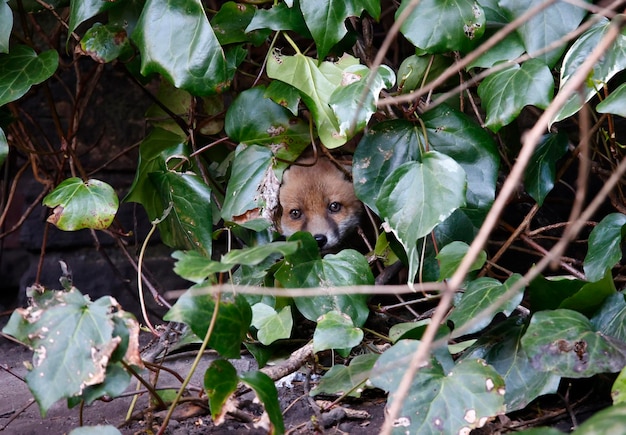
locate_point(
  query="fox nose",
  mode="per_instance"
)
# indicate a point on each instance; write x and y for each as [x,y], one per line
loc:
[320,239]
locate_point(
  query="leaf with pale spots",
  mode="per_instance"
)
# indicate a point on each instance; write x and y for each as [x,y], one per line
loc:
[77,205]
[440,402]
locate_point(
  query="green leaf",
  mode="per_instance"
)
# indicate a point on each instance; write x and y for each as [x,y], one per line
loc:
[4,147]
[6,24]
[610,319]
[440,401]
[72,339]
[335,330]
[81,11]
[451,256]
[618,392]
[265,390]
[565,343]
[272,326]
[547,293]
[104,43]
[176,41]
[230,22]
[605,246]
[541,171]
[348,380]
[326,19]
[615,103]
[188,225]
[609,420]
[404,202]
[251,167]
[220,381]
[479,295]
[505,93]
[279,17]
[268,124]
[501,348]
[158,148]
[510,48]
[115,383]
[591,295]
[316,84]
[612,62]
[348,267]
[77,204]
[23,68]
[285,95]
[195,308]
[549,25]
[439,27]
[416,71]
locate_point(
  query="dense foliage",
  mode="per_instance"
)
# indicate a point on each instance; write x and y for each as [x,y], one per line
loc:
[435,101]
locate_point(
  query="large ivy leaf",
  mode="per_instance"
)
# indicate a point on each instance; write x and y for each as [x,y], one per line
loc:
[604,250]
[612,62]
[176,41]
[348,380]
[439,401]
[541,171]
[73,340]
[335,330]
[265,390]
[451,256]
[480,294]
[610,319]
[549,25]
[439,27]
[591,295]
[615,103]
[326,19]
[220,381]
[510,48]
[195,308]
[6,24]
[348,267]
[405,202]
[81,11]
[564,342]
[316,83]
[230,22]
[271,325]
[23,68]
[104,42]
[250,167]
[505,93]
[268,124]
[155,151]
[188,224]
[501,348]
[77,204]
[279,17]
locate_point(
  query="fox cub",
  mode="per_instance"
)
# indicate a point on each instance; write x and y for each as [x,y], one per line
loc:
[318,199]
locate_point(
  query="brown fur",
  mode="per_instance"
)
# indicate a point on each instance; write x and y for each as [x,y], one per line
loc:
[318,199]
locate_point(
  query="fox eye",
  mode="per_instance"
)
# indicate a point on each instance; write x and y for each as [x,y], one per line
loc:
[295,214]
[334,207]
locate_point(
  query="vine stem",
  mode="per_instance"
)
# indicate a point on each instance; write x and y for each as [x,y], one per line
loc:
[194,366]
[530,142]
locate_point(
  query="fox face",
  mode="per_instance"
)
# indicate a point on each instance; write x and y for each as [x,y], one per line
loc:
[318,199]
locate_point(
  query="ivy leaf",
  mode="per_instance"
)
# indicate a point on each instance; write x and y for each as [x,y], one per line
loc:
[612,62]
[404,202]
[271,325]
[505,93]
[77,204]
[615,103]
[23,68]
[6,25]
[439,27]
[549,25]
[501,348]
[195,308]
[605,421]
[188,224]
[104,43]
[265,390]
[177,41]
[4,147]
[541,171]
[610,319]
[348,380]
[440,401]
[279,17]
[230,22]
[564,342]
[326,19]
[220,381]
[335,330]
[451,256]
[604,246]
[83,10]
[480,294]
